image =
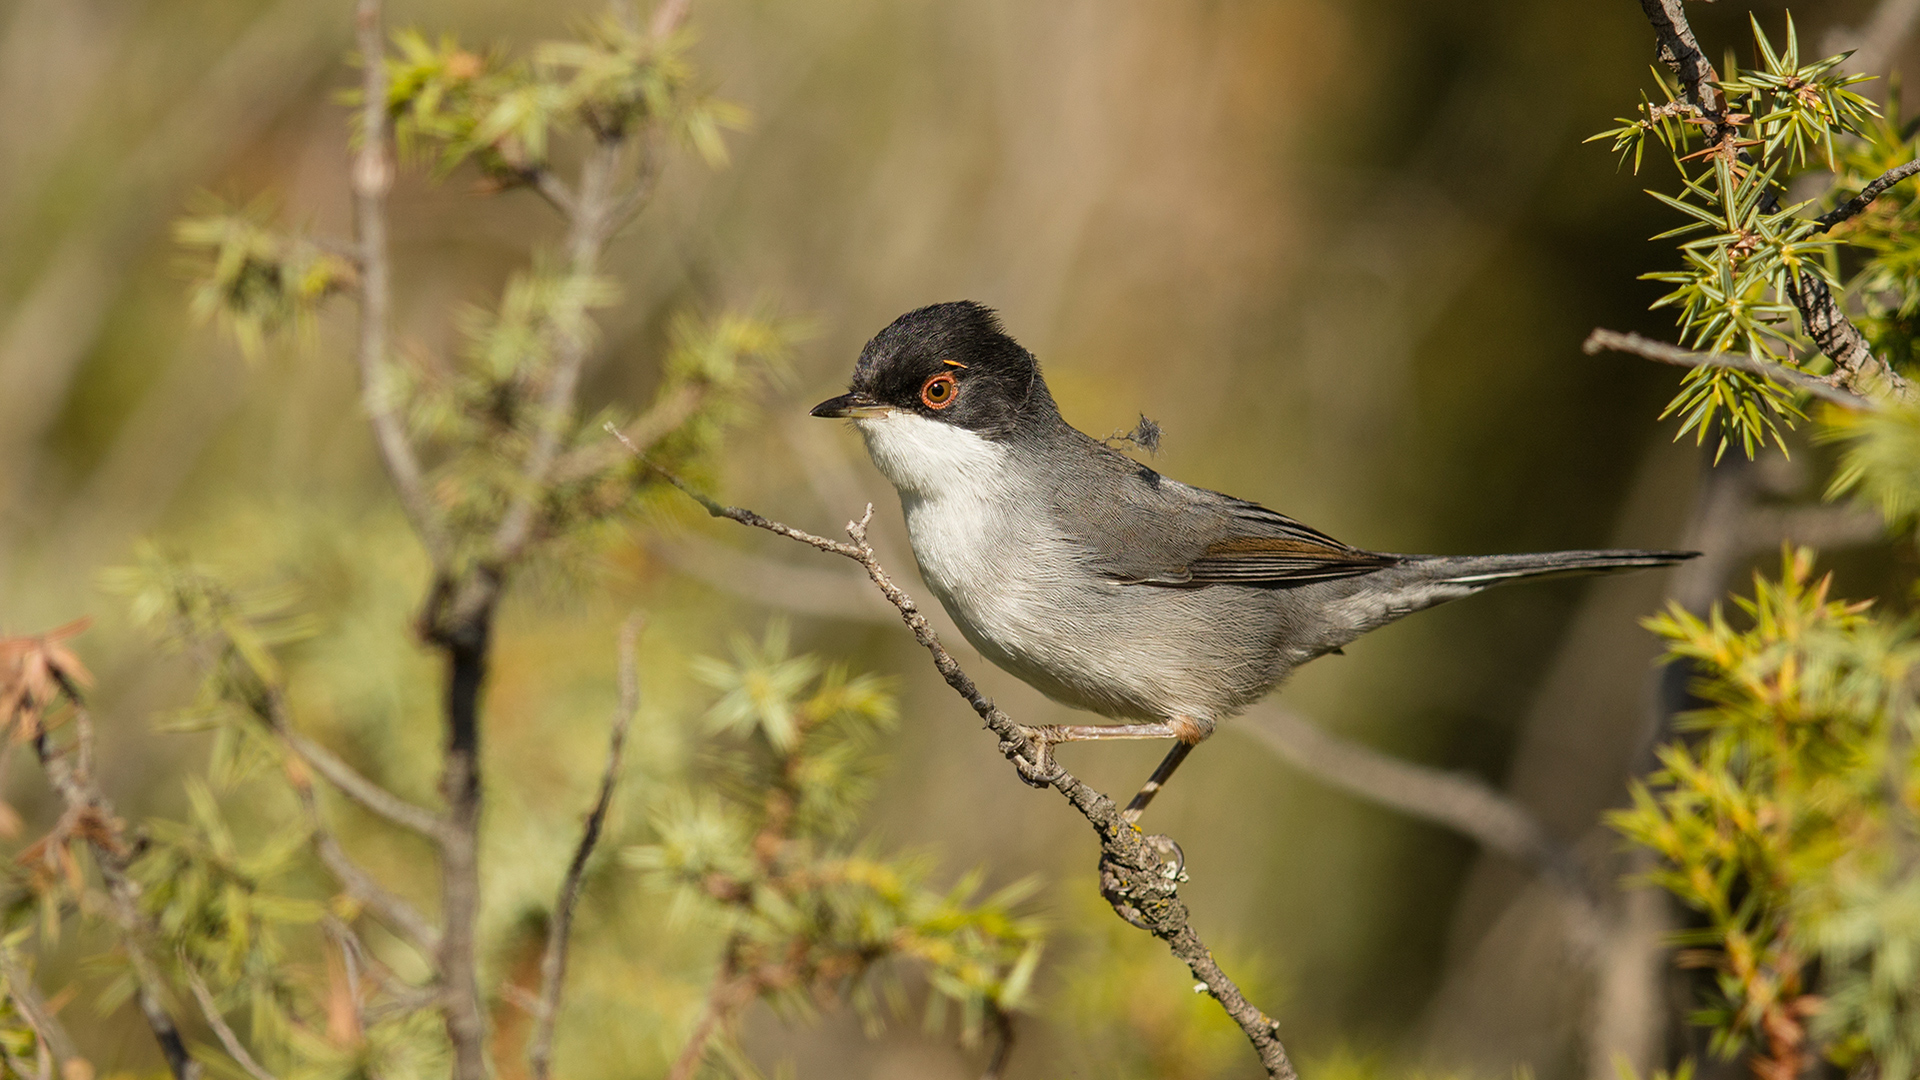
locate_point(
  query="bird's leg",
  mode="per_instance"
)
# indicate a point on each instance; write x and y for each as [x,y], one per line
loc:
[1158,780]
[1186,731]
[1039,771]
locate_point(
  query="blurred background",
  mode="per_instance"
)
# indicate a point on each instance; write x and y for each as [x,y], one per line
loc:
[1343,252]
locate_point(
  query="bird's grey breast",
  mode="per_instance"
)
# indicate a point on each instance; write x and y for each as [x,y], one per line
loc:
[998,531]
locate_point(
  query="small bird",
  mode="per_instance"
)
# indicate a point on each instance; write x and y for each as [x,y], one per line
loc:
[1100,582]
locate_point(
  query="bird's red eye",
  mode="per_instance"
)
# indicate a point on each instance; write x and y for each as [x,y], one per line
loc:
[939,391]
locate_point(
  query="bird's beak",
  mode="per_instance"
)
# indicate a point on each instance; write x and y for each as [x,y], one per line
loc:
[850,406]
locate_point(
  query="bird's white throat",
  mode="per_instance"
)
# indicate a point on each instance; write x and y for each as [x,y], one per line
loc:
[931,460]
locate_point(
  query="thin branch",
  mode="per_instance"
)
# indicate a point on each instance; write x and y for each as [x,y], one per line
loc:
[1867,194]
[388,907]
[590,226]
[1456,801]
[1604,340]
[729,994]
[553,963]
[1133,877]
[397,913]
[554,190]
[211,1010]
[776,583]
[1002,1023]
[660,420]
[355,785]
[372,178]
[1680,51]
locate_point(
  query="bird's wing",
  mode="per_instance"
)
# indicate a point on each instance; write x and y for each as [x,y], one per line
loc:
[1149,530]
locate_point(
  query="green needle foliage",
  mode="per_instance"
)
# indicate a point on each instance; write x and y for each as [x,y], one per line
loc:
[1748,248]
[764,852]
[1793,794]
[255,281]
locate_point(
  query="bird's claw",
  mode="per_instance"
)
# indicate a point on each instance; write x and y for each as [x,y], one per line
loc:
[1040,770]
[1173,861]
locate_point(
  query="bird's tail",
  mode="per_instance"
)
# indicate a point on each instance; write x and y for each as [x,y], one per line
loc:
[1483,570]
[1415,582]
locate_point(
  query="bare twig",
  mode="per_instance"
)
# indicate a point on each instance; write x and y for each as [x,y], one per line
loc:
[776,582]
[729,994]
[210,1009]
[1002,1024]
[555,191]
[667,414]
[401,916]
[1457,801]
[1133,877]
[1604,340]
[553,963]
[1867,194]
[372,178]
[354,785]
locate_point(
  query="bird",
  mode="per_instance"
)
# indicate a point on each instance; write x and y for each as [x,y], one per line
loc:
[1105,585]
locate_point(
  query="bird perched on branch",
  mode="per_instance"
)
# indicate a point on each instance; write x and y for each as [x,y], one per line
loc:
[1101,583]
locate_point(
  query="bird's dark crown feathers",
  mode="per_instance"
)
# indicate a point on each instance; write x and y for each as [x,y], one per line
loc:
[997,383]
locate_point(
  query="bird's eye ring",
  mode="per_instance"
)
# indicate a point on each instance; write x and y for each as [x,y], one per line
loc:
[939,391]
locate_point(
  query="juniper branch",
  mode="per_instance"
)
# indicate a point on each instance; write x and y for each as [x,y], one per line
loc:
[1856,368]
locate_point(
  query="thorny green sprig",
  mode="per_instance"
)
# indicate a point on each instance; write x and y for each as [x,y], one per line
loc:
[1734,290]
[1778,801]
[455,105]
[219,915]
[767,858]
[254,280]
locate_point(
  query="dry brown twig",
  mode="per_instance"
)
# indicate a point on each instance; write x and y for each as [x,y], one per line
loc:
[1135,880]
[210,1009]
[1661,352]
[553,962]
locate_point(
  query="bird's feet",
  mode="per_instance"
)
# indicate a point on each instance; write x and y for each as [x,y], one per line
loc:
[1173,861]
[1039,769]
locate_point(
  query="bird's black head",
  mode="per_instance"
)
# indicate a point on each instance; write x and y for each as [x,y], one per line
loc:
[951,363]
